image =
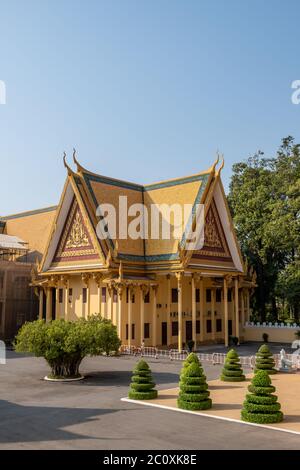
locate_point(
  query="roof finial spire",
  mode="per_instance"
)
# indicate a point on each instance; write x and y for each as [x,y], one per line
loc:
[216,161]
[223,163]
[79,167]
[65,163]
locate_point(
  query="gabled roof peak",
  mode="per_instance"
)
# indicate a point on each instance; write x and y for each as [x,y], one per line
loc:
[83,171]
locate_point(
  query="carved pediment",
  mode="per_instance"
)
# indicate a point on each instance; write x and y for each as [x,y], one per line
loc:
[215,244]
[75,241]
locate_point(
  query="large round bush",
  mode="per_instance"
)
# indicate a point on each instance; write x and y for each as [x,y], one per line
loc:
[64,344]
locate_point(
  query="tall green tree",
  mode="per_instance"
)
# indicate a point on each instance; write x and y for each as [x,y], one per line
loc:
[264,198]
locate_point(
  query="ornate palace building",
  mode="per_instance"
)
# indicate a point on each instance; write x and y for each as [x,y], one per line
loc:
[153,290]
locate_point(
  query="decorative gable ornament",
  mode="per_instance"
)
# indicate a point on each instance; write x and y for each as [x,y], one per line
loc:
[75,242]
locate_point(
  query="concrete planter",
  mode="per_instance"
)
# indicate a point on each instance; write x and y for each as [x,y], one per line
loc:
[49,379]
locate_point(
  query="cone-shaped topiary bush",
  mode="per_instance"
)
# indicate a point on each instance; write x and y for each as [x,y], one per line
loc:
[260,405]
[232,371]
[142,385]
[192,358]
[193,393]
[264,360]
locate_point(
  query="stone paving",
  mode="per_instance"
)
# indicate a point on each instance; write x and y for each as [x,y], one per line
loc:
[90,414]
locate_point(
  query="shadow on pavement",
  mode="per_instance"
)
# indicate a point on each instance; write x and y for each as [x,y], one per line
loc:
[119,378]
[22,423]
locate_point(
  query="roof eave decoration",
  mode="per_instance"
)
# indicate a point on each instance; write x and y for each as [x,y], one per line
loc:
[80,168]
[213,167]
[69,170]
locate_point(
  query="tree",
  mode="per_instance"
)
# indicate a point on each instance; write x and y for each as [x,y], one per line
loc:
[142,385]
[260,405]
[193,394]
[232,371]
[264,360]
[252,189]
[264,199]
[64,344]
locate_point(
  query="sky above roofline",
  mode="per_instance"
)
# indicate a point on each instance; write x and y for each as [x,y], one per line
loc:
[145,91]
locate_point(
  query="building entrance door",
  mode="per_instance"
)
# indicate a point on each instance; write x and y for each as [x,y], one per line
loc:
[229,327]
[188,330]
[164,333]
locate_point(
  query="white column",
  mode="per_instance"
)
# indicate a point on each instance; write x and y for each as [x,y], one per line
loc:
[169,323]
[57,304]
[129,315]
[179,288]
[248,305]
[154,316]
[142,312]
[243,307]
[213,320]
[225,310]
[202,304]
[112,306]
[88,293]
[120,296]
[236,307]
[109,302]
[194,336]
[41,303]
[48,305]
[97,278]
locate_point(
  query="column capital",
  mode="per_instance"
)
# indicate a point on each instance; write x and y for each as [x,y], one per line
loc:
[64,280]
[53,282]
[197,277]
[97,278]
[131,288]
[144,290]
[154,287]
[109,288]
[85,277]
[120,289]
[179,276]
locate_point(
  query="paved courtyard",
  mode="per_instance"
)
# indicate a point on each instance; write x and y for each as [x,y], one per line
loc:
[89,415]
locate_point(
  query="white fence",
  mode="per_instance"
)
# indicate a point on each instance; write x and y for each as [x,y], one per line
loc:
[251,324]
[214,358]
[175,355]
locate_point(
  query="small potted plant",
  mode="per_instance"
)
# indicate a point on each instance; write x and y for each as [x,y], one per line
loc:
[190,344]
[265,337]
[234,340]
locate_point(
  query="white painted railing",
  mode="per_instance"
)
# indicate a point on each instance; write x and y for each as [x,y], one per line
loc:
[250,324]
[214,358]
[175,355]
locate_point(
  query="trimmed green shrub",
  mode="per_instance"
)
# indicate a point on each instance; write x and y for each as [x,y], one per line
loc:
[261,406]
[192,358]
[64,344]
[232,371]
[193,394]
[264,360]
[142,385]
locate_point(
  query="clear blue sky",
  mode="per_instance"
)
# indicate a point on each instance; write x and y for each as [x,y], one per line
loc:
[145,90]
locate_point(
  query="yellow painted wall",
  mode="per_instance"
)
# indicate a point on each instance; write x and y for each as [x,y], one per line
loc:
[33,229]
[109,309]
[276,335]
